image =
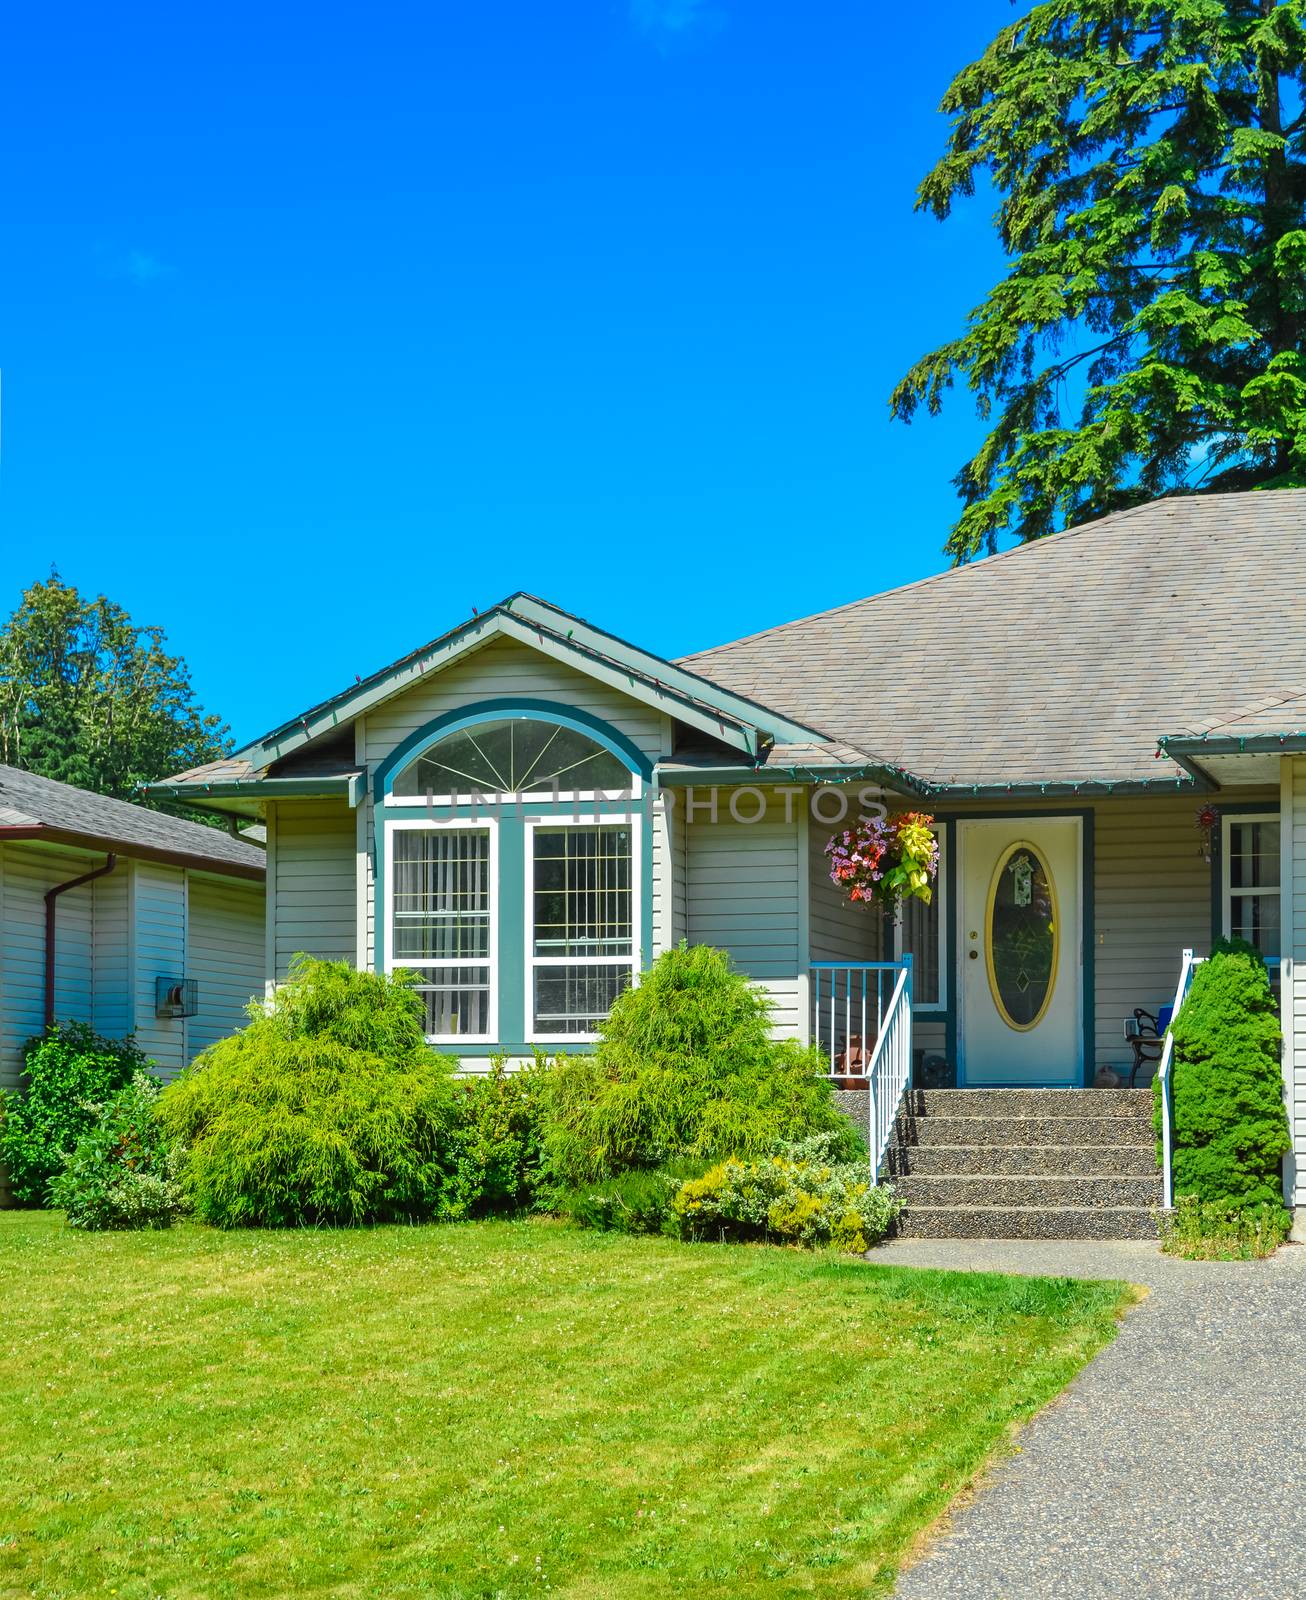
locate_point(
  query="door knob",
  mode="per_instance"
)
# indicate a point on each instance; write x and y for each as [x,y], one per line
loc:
[974,955]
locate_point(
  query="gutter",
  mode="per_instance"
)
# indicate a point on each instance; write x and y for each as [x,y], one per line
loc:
[38,833]
[51,895]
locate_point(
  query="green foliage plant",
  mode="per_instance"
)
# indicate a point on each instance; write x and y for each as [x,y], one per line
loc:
[329,1107]
[798,1196]
[493,1152]
[123,1172]
[1211,1230]
[1146,336]
[638,1201]
[67,1072]
[685,1066]
[1230,1124]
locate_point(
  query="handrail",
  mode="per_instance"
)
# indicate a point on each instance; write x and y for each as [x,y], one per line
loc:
[1163,1077]
[848,1009]
[889,1074]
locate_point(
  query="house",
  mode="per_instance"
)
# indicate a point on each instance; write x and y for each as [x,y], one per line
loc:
[124,918]
[527,809]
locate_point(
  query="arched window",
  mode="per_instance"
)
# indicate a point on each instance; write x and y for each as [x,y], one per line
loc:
[512,755]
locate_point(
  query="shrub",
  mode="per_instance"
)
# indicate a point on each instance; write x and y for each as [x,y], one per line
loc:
[800,1196]
[1212,1231]
[493,1155]
[639,1201]
[1230,1125]
[123,1171]
[685,1066]
[68,1071]
[328,1108]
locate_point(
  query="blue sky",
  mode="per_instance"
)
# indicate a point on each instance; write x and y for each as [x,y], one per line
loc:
[321,325]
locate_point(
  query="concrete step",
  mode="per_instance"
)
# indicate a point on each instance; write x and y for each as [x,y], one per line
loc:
[1030,1102]
[1064,1160]
[1027,1222]
[1024,1131]
[1004,1191]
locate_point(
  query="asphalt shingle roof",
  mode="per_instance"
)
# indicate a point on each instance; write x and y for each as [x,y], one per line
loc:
[1059,661]
[31,802]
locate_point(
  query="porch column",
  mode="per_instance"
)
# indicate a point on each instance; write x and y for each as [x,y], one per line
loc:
[1292,976]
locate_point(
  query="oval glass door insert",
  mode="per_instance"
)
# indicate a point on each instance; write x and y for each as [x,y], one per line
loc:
[1024,938]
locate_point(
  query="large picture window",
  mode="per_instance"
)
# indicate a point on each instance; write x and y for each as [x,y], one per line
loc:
[581,908]
[1251,881]
[442,925]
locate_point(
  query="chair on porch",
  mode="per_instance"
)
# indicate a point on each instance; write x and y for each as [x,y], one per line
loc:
[1145,1031]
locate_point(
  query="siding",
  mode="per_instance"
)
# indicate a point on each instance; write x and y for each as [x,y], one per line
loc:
[838,929]
[113,1012]
[1294,976]
[159,897]
[742,895]
[225,955]
[26,872]
[312,882]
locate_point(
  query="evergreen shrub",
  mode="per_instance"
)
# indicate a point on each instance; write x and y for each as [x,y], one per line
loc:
[123,1172]
[1230,1124]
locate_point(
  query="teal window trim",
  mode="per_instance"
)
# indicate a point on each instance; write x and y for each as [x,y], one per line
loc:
[508,821]
[579,721]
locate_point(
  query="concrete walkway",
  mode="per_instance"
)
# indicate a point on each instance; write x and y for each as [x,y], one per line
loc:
[1172,1468]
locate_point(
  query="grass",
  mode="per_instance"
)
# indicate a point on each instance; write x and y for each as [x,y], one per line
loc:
[496,1410]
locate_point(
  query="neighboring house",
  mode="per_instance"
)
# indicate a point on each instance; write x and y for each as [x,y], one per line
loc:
[105,908]
[1063,709]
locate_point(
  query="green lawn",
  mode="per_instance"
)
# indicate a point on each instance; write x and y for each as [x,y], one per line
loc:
[495,1409]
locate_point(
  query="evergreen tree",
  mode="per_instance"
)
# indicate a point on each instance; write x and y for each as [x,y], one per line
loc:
[1149,162]
[91,699]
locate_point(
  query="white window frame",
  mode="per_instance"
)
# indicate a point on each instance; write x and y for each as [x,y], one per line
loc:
[487,825]
[1228,821]
[931,1007]
[635,960]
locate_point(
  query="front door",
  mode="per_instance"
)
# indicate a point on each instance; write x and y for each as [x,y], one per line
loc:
[1018,943]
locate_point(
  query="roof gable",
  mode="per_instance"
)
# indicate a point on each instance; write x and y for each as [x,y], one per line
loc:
[721,713]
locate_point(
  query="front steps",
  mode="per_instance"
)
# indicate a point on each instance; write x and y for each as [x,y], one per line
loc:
[1026,1164]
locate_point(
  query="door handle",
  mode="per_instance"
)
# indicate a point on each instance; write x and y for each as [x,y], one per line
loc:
[974,955]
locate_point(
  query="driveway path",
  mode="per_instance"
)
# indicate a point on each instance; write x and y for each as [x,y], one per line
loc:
[1172,1468]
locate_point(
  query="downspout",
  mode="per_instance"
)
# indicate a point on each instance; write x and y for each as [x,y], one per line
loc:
[51,895]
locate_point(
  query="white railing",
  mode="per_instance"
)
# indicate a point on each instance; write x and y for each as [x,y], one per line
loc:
[850,1000]
[890,1069]
[861,1023]
[1165,1077]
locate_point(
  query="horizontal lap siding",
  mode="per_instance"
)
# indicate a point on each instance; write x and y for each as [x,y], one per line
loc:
[313,882]
[113,1013]
[1295,995]
[742,888]
[225,955]
[1153,902]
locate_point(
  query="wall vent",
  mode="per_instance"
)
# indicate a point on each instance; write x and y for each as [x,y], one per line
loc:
[176,997]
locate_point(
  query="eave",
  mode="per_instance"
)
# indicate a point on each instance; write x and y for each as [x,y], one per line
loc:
[99,844]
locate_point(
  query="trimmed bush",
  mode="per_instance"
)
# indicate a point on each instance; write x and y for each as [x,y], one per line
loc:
[123,1171]
[800,1196]
[328,1108]
[67,1073]
[493,1154]
[639,1201]
[685,1067]
[1231,1128]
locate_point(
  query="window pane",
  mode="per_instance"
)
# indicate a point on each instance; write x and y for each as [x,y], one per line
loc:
[1255,917]
[920,938]
[576,999]
[457,999]
[582,892]
[513,755]
[1253,855]
[441,894]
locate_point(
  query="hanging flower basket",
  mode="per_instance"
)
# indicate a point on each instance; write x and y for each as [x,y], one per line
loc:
[889,859]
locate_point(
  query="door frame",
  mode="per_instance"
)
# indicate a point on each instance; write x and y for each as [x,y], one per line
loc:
[1087,983]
